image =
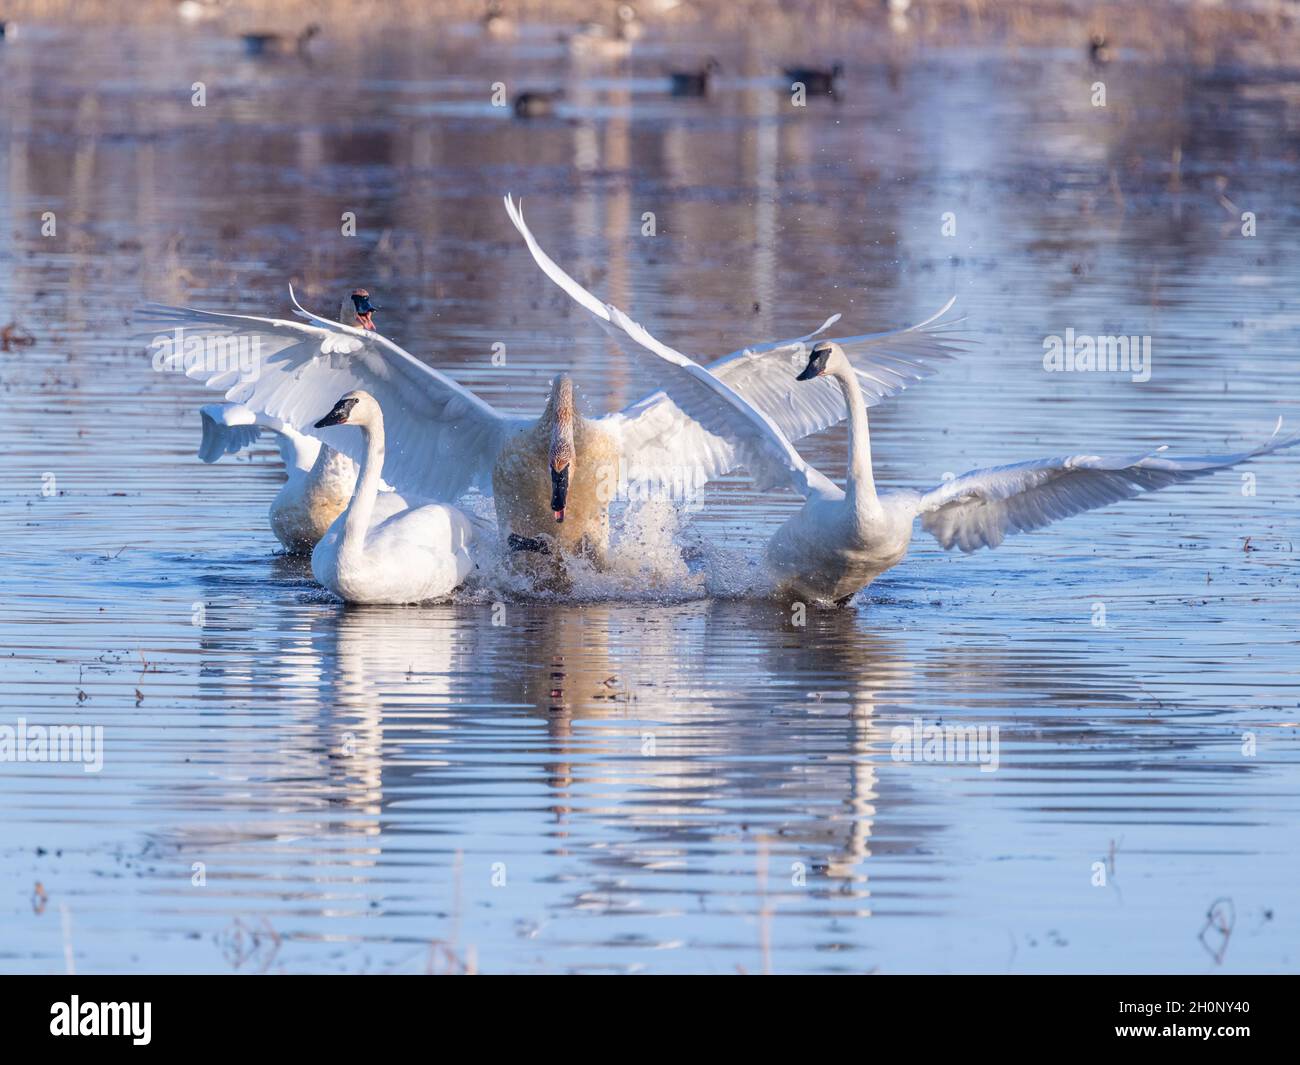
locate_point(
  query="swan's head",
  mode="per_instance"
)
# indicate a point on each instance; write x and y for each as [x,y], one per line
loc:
[561,455]
[357,310]
[355,408]
[826,357]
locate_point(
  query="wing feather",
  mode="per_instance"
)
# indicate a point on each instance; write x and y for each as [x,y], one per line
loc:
[441,438]
[982,507]
[745,435]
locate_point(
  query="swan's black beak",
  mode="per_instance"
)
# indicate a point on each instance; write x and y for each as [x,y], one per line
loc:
[365,309]
[816,363]
[559,491]
[339,415]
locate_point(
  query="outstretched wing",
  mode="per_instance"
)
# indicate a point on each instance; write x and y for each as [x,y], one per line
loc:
[666,429]
[440,437]
[885,363]
[980,508]
[747,435]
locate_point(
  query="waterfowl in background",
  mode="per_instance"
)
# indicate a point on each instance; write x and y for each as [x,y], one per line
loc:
[816,82]
[495,22]
[199,10]
[8,30]
[694,82]
[1099,51]
[609,41]
[536,104]
[279,44]
[380,549]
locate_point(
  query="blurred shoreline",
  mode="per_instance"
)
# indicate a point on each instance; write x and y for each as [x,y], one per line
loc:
[1201,30]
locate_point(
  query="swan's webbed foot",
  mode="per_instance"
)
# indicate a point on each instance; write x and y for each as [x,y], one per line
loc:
[846,600]
[528,543]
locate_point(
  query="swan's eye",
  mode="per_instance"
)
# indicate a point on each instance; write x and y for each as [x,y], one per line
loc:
[361,301]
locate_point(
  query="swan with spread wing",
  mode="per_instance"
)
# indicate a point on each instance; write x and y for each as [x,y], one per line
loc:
[842,539]
[442,439]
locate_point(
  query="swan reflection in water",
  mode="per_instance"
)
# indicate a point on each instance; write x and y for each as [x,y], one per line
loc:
[617,756]
[647,725]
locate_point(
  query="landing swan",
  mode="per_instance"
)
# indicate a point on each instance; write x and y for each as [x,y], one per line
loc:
[842,539]
[319,479]
[382,551]
[834,547]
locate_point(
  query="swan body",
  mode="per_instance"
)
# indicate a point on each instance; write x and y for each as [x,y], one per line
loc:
[829,551]
[383,549]
[307,505]
[840,542]
[525,504]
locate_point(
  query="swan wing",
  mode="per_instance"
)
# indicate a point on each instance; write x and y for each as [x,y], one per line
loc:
[885,363]
[729,431]
[982,507]
[228,428]
[764,374]
[441,437]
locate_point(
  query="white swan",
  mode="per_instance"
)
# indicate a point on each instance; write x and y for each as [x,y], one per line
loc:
[380,550]
[319,480]
[837,544]
[443,439]
[842,539]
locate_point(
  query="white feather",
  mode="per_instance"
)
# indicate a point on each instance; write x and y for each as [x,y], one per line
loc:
[982,507]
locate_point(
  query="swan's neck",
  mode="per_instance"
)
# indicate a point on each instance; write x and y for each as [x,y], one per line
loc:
[323,458]
[560,411]
[331,464]
[356,519]
[861,484]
